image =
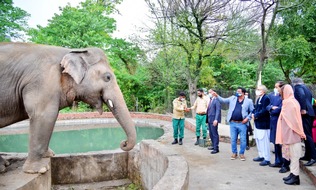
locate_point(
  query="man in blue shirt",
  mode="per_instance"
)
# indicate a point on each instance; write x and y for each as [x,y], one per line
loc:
[238,116]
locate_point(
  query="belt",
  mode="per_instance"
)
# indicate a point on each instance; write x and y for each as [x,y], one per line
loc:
[201,114]
[235,121]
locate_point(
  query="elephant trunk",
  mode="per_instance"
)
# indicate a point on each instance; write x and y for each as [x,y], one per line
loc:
[119,109]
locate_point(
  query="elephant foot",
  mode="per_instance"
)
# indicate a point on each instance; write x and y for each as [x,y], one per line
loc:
[2,169]
[3,164]
[49,153]
[39,166]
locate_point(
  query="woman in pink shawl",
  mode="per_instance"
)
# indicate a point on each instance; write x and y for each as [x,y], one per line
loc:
[290,133]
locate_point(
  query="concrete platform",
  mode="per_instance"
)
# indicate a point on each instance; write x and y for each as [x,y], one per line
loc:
[217,171]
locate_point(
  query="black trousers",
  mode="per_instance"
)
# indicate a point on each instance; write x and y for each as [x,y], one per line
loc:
[310,151]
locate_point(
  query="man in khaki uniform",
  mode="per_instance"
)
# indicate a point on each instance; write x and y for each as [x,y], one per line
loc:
[179,107]
[200,106]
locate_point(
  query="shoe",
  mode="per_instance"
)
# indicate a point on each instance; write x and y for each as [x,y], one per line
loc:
[310,163]
[294,180]
[275,165]
[258,159]
[264,163]
[215,152]
[197,141]
[233,157]
[247,147]
[175,141]
[284,170]
[288,177]
[304,159]
[242,157]
[180,141]
[210,148]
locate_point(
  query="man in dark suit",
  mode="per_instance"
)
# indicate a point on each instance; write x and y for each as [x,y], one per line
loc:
[304,96]
[275,108]
[213,118]
[262,126]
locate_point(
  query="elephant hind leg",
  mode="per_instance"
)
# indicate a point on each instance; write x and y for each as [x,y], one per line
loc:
[49,153]
[3,164]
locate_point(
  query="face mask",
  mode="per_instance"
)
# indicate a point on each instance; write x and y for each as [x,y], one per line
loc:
[276,91]
[182,99]
[210,95]
[258,92]
[237,94]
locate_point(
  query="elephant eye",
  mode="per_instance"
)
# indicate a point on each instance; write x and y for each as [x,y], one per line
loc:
[107,77]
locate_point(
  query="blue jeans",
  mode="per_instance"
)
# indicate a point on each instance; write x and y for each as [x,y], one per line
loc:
[235,129]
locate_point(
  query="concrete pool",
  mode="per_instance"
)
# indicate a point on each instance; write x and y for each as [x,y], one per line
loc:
[149,164]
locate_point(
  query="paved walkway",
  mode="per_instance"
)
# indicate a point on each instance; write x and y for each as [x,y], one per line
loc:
[208,171]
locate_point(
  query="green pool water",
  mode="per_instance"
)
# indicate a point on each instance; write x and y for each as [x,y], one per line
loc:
[80,141]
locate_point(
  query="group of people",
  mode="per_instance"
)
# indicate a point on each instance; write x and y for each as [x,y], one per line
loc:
[284,117]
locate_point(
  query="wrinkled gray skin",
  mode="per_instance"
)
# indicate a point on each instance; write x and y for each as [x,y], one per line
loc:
[36,81]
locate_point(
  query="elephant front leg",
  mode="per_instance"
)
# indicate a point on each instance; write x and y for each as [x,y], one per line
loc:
[39,137]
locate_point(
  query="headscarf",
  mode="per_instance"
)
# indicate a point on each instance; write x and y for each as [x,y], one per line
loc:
[290,114]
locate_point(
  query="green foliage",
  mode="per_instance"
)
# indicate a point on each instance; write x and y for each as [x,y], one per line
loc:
[77,27]
[295,42]
[131,186]
[12,21]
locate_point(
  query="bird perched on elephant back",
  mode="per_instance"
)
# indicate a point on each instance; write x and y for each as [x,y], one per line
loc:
[36,81]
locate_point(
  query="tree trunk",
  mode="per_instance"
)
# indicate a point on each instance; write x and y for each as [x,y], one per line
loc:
[192,93]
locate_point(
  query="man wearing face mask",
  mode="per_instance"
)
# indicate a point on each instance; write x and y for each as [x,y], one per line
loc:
[262,126]
[274,109]
[200,105]
[238,116]
[304,96]
[213,117]
[179,107]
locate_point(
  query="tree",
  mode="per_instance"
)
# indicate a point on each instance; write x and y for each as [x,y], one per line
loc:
[77,27]
[269,10]
[196,27]
[295,42]
[13,21]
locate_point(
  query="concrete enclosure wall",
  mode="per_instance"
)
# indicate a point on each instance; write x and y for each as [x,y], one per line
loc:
[160,168]
[86,168]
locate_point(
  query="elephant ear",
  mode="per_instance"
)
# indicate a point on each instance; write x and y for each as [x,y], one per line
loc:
[76,63]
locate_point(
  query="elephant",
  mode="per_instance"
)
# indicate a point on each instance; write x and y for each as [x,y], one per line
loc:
[36,81]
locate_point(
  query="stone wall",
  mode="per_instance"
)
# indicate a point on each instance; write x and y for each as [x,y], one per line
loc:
[140,115]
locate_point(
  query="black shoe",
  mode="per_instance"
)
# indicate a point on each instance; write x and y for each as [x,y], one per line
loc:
[215,152]
[264,163]
[175,141]
[275,165]
[247,147]
[284,170]
[258,159]
[294,180]
[304,159]
[310,163]
[180,141]
[197,141]
[288,177]
[210,148]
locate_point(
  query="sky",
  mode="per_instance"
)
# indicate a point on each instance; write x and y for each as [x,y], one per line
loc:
[133,13]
